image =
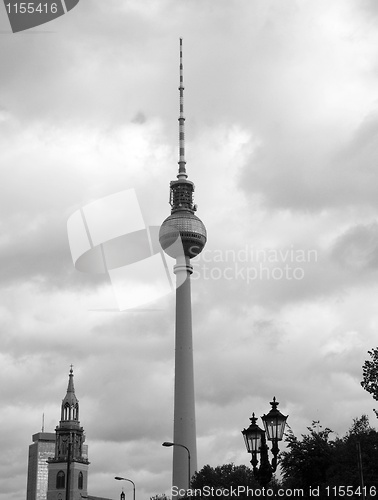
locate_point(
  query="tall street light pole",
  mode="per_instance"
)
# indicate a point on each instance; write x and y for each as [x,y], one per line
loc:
[168,444]
[68,481]
[125,479]
[255,441]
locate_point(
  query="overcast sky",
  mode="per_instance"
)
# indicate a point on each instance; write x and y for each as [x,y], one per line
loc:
[281,106]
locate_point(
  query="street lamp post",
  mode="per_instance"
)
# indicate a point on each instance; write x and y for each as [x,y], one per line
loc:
[68,481]
[255,441]
[168,444]
[125,479]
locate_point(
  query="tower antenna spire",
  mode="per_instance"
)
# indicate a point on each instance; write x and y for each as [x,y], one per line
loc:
[182,163]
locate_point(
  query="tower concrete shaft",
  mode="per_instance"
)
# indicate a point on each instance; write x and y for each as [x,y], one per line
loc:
[184,431]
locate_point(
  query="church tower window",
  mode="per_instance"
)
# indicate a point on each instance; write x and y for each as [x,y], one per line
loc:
[60,480]
[80,482]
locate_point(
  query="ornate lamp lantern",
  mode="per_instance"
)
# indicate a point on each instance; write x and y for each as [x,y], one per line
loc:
[255,441]
[253,438]
[274,424]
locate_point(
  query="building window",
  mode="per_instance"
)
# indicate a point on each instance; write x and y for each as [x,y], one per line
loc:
[80,481]
[67,412]
[60,480]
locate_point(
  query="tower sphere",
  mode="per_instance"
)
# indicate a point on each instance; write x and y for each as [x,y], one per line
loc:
[181,232]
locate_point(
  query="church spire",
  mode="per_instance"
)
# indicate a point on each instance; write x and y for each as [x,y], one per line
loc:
[68,469]
[70,404]
[70,388]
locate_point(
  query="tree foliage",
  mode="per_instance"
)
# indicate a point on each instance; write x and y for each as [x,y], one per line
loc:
[316,460]
[224,477]
[360,441]
[370,375]
[306,462]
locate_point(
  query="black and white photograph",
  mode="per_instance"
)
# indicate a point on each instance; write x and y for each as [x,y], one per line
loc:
[188,249]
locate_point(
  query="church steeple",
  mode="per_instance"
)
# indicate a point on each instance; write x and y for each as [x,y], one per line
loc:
[70,404]
[68,469]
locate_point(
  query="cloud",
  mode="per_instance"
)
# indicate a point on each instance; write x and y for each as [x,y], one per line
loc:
[356,250]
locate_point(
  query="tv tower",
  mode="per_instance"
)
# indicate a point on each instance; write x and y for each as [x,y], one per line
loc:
[183,236]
